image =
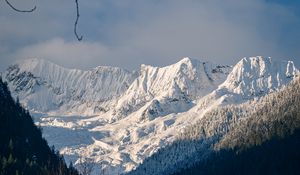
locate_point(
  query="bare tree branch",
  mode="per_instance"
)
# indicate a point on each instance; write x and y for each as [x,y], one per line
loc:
[18,10]
[79,38]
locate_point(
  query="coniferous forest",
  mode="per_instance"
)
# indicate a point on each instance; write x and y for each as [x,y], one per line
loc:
[257,137]
[277,156]
[22,148]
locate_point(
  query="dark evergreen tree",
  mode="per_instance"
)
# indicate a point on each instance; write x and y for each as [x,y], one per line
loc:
[22,148]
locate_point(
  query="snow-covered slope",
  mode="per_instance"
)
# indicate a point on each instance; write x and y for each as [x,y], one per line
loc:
[240,127]
[48,88]
[136,113]
[256,76]
[251,78]
[171,89]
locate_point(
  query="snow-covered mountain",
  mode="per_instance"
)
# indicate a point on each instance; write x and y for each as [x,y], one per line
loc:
[235,129]
[256,76]
[250,78]
[171,89]
[130,115]
[48,88]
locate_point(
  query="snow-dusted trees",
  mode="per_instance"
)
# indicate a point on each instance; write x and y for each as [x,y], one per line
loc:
[251,123]
[229,127]
[85,166]
[275,156]
[277,114]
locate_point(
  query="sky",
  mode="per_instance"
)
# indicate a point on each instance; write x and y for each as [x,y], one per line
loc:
[128,33]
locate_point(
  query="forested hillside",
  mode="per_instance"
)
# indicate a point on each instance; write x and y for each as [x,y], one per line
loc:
[276,156]
[276,115]
[237,139]
[22,148]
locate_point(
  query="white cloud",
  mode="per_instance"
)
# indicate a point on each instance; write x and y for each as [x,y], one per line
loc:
[70,54]
[128,33]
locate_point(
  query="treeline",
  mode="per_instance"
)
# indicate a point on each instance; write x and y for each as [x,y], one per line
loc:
[231,134]
[22,148]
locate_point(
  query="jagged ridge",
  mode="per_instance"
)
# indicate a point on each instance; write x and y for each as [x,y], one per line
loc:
[170,89]
[46,87]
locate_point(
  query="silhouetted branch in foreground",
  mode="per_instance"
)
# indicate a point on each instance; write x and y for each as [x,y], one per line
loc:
[79,38]
[18,10]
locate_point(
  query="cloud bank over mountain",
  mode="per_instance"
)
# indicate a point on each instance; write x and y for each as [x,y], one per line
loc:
[128,33]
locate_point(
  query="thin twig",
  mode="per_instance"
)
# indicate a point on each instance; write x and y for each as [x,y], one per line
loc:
[79,38]
[18,10]
[76,22]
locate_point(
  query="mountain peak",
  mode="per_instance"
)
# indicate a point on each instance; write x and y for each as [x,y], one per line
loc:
[39,67]
[257,61]
[186,60]
[259,75]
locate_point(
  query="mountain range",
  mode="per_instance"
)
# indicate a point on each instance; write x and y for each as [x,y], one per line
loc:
[119,118]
